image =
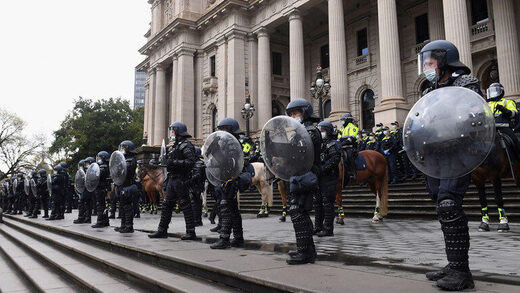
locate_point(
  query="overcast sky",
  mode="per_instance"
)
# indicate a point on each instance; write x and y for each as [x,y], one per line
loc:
[53,51]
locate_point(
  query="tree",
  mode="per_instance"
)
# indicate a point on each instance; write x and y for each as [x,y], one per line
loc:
[16,150]
[92,127]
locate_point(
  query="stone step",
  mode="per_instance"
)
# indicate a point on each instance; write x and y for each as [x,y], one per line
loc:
[13,280]
[39,275]
[135,273]
[163,272]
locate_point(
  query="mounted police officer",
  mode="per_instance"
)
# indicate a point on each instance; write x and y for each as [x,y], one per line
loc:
[231,220]
[102,188]
[196,183]
[126,189]
[43,192]
[59,184]
[180,159]
[330,158]
[439,60]
[85,199]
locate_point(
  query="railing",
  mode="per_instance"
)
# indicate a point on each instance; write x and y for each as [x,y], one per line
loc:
[482,29]
[361,59]
[417,49]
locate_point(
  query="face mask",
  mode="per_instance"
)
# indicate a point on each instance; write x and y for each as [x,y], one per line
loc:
[378,128]
[364,135]
[394,126]
[298,119]
[385,132]
[100,162]
[371,138]
[431,74]
[173,138]
[323,135]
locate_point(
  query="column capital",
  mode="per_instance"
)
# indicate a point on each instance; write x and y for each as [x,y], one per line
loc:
[221,40]
[236,34]
[293,14]
[186,51]
[159,68]
[262,33]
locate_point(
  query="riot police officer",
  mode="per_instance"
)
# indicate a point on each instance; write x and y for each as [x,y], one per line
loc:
[59,184]
[35,198]
[43,192]
[300,201]
[196,183]
[101,190]
[330,158]
[85,199]
[20,197]
[439,60]
[128,190]
[180,159]
[231,220]
[5,196]
[67,202]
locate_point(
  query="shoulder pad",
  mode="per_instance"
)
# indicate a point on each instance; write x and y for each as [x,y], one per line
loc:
[465,80]
[331,143]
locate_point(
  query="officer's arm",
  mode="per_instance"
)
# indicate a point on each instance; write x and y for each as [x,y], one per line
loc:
[355,130]
[511,106]
[333,161]
[190,158]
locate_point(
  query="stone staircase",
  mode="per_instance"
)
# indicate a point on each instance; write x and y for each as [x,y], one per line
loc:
[408,200]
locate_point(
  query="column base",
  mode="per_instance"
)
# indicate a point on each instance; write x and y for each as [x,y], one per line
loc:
[390,112]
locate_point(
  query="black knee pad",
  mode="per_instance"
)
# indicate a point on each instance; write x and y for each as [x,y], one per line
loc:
[449,211]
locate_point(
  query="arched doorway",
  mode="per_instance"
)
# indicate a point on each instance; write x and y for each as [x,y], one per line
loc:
[367,109]
[326,109]
[489,76]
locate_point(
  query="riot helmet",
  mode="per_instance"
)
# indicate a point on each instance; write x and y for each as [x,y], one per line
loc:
[302,106]
[127,147]
[346,118]
[58,168]
[180,129]
[230,125]
[81,164]
[42,173]
[103,157]
[436,58]
[63,165]
[495,92]
[33,173]
[326,128]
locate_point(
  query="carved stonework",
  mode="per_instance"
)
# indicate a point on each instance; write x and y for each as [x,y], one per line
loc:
[169,10]
[209,85]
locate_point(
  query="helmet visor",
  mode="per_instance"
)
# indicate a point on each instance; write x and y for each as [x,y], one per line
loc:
[430,59]
[494,92]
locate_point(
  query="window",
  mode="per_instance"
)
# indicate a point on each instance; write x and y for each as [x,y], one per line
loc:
[277,63]
[479,11]
[277,110]
[212,65]
[214,119]
[362,42]
[422,33]
[326,109]
[325,56]
[367,107]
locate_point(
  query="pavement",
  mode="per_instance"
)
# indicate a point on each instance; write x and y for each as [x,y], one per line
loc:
[399,248]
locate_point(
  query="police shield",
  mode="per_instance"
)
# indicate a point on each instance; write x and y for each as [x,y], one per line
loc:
[79,181]
[223,156]
[33,186]
[212,179]
[26,186]
[449,132]
[49,183]
[286,147]
[162,154]
[92,177]
[15,184]
[117,167]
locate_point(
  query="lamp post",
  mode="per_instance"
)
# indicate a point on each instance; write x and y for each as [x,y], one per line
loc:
[248,112]
[320,88]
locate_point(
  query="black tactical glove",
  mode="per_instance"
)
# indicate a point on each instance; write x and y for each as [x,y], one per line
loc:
[507,113]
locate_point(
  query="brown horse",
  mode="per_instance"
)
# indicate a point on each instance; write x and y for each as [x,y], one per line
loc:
[495,167]
[152,179]
[375,176]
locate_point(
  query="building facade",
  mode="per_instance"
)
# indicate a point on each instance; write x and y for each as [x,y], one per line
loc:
[205,56]
[139,90]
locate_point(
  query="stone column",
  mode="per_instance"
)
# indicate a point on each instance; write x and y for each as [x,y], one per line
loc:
[296,57]
[186,89]
[264,106]
[151,103]
[338,59]
[221,61]
[173,99]
[253,79]
[456,24]
[146,108]
[393,105]
[435,20]
[160,107]
[508,51]
[236,76]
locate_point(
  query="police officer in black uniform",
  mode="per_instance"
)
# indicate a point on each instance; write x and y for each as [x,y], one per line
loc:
[330,158]
[100,193]
[86,198]
[43,192]
[69,190]
[229,214]
[181,158]
[59,184]
[300,201]
[196,183]
[128,191]
[441,66]
[35,199]
[5,195]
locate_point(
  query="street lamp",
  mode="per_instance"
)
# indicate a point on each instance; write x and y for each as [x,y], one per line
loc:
[320,88]
[247,112]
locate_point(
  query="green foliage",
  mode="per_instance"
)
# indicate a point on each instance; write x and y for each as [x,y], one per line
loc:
[97,126]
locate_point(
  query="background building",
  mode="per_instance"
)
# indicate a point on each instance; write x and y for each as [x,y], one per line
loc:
[203,56]
[139,91]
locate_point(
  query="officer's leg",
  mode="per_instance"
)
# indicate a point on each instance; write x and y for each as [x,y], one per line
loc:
[187,211]
[81,209]
[127,208]
[89,198]
[196,205]
[236,219]
[318,212]
[303,229]
[225,219]
[328,191]
[102,217]
[392,168]
[166,212]
[45,206]
[137,212]
[113,203]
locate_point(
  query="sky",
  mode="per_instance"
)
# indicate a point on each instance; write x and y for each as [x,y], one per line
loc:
[53,51]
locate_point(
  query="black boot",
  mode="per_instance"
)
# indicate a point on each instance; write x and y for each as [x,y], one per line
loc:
[190,235]
[187,211]
[328,218]
[117,229]
[159,234]
[456,281]
[222,243]
[303,229]
[437,275]
[216,228]
[166,216]
[225,230]
[237,242]
[128,211]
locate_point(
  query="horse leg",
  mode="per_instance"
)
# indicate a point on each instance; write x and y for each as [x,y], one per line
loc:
[204,203]
[504,224]
[262,210]
[283,194]
[339,195]
[375,188]
[481,188]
